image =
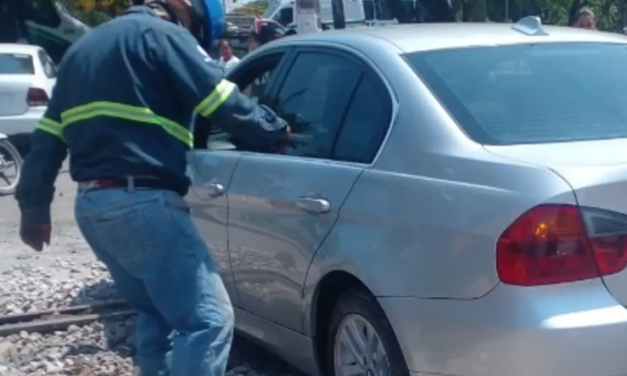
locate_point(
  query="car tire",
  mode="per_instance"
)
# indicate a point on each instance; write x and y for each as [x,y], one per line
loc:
[13,155]
[356,305]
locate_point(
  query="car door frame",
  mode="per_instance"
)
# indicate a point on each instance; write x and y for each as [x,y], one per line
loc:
[236,71]
[272,97]
[196,153]
[280,70]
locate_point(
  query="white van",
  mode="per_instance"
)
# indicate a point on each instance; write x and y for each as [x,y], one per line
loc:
[283,12]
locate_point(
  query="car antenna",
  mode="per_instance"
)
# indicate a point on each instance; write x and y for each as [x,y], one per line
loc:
[530,25]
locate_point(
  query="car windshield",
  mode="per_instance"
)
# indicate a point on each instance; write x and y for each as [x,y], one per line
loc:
[12,63]
[532,93]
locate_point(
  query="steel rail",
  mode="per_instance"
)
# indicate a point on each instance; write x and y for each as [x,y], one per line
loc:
[45,322]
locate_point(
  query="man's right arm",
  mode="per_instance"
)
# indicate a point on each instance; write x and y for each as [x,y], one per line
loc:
[200,84]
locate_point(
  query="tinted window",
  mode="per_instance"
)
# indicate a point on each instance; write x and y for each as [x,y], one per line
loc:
[16,64]
[548,92]
[252,78]
[365,124]
[313,100]
[47,65]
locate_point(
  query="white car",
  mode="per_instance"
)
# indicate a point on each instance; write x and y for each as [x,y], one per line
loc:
[27,76]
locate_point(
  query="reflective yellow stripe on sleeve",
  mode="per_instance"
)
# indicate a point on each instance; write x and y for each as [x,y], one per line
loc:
[52,127]
[126,112]
[218,96]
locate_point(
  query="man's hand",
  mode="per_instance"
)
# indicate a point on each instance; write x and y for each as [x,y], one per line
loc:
[35,236]
[282,146]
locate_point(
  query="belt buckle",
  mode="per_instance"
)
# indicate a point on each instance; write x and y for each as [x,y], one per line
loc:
[87,185]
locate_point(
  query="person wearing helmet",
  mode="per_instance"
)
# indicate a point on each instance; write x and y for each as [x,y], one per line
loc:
[128,96]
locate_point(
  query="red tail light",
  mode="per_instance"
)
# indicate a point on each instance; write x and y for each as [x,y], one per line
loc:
[561,243]
[36,97]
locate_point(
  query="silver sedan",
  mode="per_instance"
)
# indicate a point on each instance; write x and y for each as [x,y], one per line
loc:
[454,203]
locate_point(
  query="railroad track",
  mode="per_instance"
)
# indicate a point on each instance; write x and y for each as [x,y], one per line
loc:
[49,321]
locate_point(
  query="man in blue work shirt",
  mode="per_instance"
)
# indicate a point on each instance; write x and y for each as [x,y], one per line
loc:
[125,97]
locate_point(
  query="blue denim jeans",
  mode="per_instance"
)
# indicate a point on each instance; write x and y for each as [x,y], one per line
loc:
[161,265]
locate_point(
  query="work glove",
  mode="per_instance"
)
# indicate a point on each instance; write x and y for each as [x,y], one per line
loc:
[35,235]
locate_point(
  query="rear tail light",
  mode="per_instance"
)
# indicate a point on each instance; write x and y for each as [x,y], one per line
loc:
[36,97]
[561,243]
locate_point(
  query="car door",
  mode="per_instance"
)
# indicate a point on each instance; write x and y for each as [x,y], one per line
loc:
[213,160]
[281,207]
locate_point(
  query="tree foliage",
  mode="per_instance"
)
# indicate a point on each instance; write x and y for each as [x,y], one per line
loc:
[611,14]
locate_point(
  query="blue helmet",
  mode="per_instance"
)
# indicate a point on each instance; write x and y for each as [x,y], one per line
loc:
[206,17]
[208,21]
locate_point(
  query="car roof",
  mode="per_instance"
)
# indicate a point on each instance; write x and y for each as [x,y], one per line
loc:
[424,37]
[19,48]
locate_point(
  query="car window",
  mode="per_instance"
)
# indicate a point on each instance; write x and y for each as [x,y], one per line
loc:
[252,78]
[42,12]
[366,123]
[13,63]
[313,100]
[255,89]
[47,65]
[531,93]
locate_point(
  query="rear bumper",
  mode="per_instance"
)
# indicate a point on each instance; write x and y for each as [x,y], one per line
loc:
[575,329]
[20,124]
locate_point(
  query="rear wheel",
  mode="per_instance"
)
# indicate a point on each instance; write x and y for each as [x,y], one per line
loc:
[361,341]
[10,167]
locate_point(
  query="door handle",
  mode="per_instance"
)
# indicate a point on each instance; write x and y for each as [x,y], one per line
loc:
[316,205]
[215,189]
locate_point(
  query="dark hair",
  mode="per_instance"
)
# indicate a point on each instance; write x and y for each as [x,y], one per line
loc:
[584,11]
[223,40]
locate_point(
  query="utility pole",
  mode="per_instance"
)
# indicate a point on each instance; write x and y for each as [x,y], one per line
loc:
[339,22]
[308,16]
[507,11]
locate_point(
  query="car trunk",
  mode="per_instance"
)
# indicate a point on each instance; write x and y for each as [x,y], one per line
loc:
[597,172]
[13,94]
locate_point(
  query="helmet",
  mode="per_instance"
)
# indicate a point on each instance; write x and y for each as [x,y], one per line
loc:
[203,18]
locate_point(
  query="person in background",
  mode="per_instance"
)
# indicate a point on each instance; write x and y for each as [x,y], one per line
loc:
[227,60]
[584,19]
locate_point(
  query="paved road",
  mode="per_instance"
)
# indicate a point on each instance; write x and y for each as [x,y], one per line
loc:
[66,239]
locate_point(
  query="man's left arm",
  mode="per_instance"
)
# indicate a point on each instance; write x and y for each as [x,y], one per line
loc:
[35,190]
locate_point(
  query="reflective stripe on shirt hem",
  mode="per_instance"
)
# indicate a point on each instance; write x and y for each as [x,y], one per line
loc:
[52,127]
[218,96]
[127,112]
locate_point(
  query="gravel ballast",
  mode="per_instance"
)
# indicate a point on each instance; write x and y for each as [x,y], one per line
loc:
[99,349]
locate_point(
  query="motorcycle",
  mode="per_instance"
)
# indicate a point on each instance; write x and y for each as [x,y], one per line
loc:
[10,166]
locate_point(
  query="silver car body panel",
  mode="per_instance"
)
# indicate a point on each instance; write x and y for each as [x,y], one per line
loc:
[418,228]
[210,209]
